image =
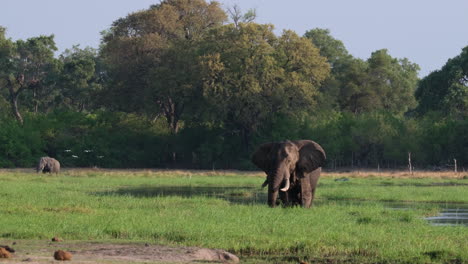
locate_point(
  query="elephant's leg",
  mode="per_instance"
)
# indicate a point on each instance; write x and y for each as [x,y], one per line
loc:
[306,192]
[295,195]
[308,185]
[284,197]
[314,178]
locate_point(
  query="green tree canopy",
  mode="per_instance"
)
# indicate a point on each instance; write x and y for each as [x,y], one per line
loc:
[331,48]
[150,57]
[342,66]
[79,80]
[24,69]
[392,82]
[250,74]
[382,83]
[446,90]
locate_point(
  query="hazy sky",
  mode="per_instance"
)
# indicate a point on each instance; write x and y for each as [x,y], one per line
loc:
[427,32]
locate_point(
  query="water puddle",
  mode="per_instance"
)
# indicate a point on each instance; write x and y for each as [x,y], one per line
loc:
[450,214]
[458,216]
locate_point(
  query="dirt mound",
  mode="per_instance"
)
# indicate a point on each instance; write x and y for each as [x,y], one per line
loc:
[62,255]
[215,255]
[157,253]
[91,253]
[8,248]
[4,253]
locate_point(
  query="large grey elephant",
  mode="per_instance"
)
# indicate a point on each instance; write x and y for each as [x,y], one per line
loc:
[293,166]
[48,164]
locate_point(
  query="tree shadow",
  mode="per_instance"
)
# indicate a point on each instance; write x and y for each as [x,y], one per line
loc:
[237,194]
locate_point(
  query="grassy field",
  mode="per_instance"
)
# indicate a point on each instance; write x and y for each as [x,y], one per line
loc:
[351,221]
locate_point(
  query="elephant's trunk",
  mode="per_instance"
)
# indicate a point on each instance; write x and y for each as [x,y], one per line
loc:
[272,196]
[274,183]
[40,167]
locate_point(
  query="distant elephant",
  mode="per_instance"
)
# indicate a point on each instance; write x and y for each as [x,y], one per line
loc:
[293,166]
[47,164]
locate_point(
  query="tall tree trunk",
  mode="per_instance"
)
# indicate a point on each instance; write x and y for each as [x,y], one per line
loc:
[36,101]
[172,111]
[14,108]
[14,101]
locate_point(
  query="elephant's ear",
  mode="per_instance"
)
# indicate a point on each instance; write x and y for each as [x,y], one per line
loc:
[311,156]
[262,156]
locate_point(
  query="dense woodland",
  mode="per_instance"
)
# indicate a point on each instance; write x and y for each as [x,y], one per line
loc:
[187,84]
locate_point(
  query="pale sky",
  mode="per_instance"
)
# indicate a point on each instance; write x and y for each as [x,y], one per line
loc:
[427,32]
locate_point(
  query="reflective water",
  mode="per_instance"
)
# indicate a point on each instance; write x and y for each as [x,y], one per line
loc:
[450,213]
[457,216]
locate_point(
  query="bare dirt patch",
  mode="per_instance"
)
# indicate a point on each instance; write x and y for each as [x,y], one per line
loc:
[99,252]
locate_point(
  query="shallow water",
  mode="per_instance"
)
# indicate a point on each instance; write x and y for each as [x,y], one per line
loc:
[450,216]
[450,213]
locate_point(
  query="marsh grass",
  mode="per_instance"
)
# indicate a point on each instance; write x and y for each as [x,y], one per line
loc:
[154,206]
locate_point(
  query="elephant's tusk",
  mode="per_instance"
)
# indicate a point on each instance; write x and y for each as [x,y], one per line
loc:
[285,187]
[265,183]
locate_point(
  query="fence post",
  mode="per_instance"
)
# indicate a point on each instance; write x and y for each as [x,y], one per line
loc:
[409,163]
[455,165]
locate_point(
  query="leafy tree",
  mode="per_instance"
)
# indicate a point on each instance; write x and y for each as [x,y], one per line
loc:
[79,80]
[382,83]
[24,67]
[150,57]
[393,82]
[257,75]
[331,48]
[446,90]
[5,50]
[352,86]
[343,68]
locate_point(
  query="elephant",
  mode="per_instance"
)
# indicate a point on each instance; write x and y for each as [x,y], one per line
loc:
[293,169]
[48,164]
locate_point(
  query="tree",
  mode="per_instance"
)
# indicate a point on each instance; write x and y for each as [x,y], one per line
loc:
[151,60]
[6,46]
[237,17]
[341,63]
[446,90]
[393,82]
[25,66]
[250,75]
[79,80]
[331,48]
[381,83]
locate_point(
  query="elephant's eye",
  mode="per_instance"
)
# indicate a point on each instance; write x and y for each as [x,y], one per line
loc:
[287,157]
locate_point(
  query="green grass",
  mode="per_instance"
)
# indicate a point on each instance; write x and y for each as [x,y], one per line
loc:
[202,210]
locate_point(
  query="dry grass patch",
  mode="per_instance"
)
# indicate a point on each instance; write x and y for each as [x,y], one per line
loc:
[90,172]
[398,174]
